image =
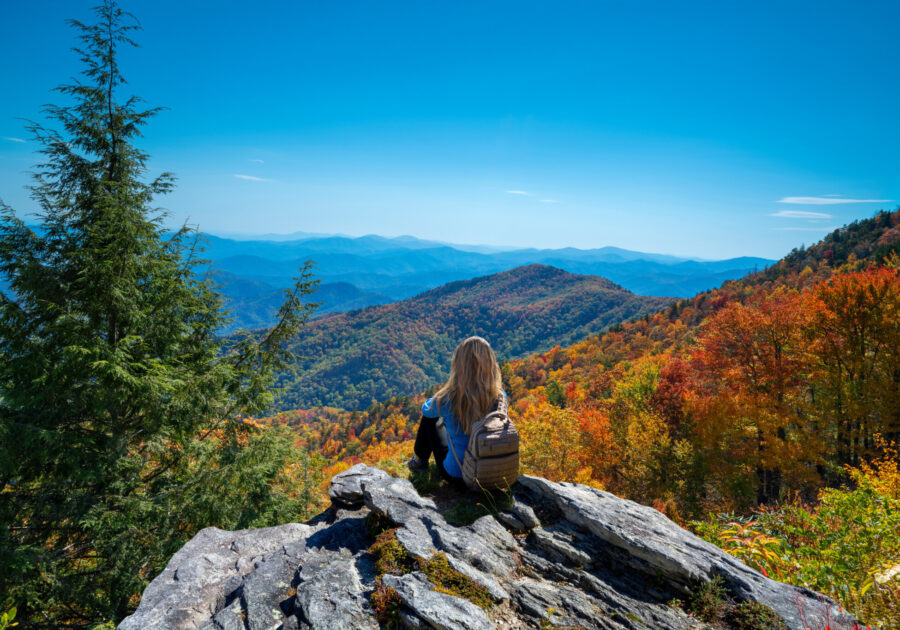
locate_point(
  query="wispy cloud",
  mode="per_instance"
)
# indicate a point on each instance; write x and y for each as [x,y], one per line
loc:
[801,214]
[250,178]
[257,161]
[827,201]
[11,139]
[518,192]
[805,229]
[549,201]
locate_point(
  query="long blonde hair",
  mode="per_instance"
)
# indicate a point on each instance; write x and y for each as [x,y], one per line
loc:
[475,383]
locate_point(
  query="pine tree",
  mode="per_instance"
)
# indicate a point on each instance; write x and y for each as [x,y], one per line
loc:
[122,414]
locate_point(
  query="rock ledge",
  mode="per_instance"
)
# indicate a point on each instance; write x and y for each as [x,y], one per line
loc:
[562,555]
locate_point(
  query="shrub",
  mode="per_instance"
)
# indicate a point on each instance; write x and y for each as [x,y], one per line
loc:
[386,603]
[843,547]
[754,616]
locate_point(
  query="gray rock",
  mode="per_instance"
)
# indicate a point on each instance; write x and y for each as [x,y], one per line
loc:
[681,558]
[482,553]
[409,621]
[416,539]
[596,561]
[347,487]
[561,546]
[511,521]
[266,591]
[525,514]
[330,595]
[442,611]
[229,618]
[490,530]
[200,577]
[559,604]
[397,500]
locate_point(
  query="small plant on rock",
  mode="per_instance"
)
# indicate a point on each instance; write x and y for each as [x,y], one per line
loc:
[393,559]
[707,601]
[390,556]
[386,603]
[754,616]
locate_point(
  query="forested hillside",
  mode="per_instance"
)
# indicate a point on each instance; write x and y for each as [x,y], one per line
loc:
[353,359]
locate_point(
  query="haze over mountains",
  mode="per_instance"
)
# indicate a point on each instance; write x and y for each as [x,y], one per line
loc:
[369,270]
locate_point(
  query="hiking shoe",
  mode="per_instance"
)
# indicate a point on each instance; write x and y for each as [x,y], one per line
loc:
[416,465]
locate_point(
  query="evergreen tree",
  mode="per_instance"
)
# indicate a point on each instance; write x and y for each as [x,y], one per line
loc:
[122,415]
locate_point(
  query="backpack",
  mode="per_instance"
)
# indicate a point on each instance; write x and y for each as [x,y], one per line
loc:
[491,460]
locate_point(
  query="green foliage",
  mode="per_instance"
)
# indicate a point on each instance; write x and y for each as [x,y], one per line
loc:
[754,616]
[708,599]
[839,548]
[853,241]
[390,556]
[555,395]
[464,507]
[426,481]
[123,418]
[8,619]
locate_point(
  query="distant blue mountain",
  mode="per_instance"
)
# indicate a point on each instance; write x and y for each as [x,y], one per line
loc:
[363,271]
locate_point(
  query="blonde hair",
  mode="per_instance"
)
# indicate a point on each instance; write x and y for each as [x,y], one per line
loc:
[475,383]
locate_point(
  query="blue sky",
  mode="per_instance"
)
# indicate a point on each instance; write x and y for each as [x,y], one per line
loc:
[710,129]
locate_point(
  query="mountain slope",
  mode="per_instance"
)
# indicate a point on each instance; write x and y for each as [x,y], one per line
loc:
[352,359]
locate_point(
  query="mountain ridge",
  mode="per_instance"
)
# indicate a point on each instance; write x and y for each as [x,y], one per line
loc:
[398,268]
[368,354]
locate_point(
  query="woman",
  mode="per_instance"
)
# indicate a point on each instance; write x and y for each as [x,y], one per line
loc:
[473,390]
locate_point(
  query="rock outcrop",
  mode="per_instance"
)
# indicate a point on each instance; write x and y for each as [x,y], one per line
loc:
[561,555]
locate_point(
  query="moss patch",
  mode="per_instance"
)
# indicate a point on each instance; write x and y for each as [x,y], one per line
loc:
[393,559]
[390,556]
[448,580]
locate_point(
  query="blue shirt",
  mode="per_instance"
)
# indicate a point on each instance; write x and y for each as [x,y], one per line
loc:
[454,433]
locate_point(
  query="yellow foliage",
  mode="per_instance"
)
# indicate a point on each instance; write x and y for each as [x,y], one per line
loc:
[883,473]
[550,441]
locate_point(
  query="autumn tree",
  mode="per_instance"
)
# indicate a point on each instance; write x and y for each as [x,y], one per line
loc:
[751,395]
[855,333]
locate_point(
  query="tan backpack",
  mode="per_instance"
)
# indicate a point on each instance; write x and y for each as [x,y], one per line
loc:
[491,460]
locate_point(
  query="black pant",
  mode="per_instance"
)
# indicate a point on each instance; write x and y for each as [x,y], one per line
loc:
[431,441]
